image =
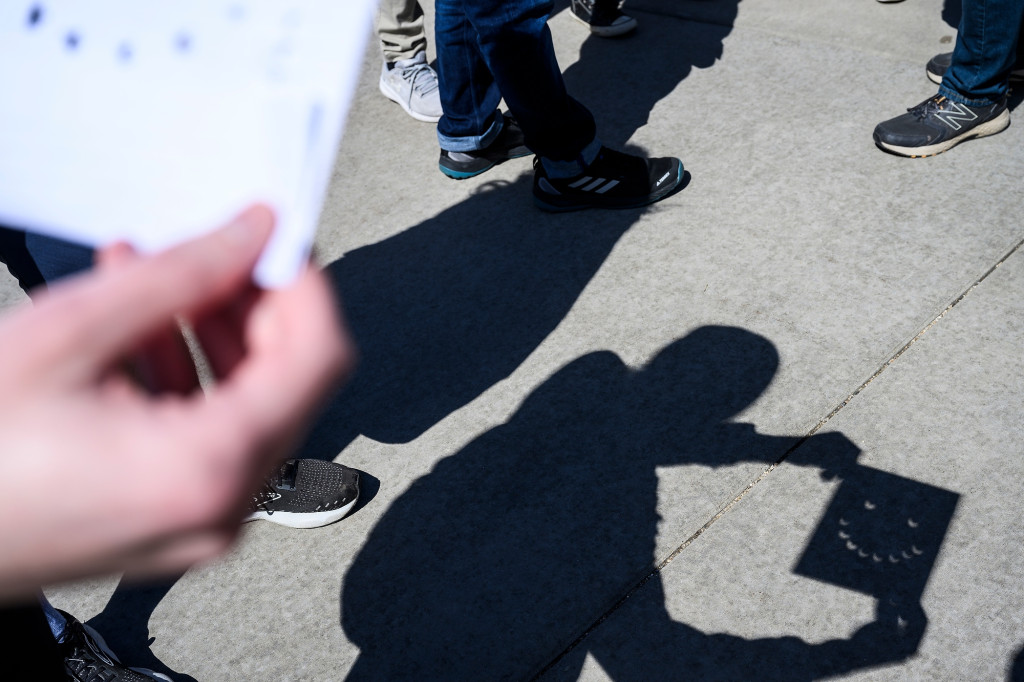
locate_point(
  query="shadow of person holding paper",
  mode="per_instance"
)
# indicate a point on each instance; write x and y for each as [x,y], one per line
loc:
[494,563]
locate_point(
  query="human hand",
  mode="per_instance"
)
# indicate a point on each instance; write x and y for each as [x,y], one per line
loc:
[895,634]
[102,474]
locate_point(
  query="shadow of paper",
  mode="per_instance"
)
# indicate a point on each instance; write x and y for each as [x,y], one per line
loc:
[880,535]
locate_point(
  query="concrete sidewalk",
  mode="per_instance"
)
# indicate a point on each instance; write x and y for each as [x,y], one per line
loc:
[768,429]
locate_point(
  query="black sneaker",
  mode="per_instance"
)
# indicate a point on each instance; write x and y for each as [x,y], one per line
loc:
[507,145]
[87,658]
[940,63]
[306,493]
[936,124]
[603,17]
[613,180]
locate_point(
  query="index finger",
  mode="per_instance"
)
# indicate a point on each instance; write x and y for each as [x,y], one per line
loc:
[85,323]
[296,349]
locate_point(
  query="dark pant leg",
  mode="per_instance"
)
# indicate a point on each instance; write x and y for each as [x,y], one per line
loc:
[506,43]
[30,652]
[36,260]
[986,50]
[469,95]
[515,42]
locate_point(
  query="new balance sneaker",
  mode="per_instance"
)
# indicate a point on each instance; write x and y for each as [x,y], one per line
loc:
[413,84]
[507,145]
[937,124]
[87,658]
[604,17]
[938,65]
[613,180]
[306,493]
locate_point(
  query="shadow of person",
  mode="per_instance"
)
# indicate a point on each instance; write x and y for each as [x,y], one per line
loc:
[622,79]
[1016,673]
[449,307]
[493,563]
[441,312]
[124,624]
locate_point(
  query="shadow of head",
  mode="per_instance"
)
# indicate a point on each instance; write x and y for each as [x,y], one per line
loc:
[709,375]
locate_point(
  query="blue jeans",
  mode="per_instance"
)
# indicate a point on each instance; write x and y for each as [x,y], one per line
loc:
[36,260]
[987,47]
[489,49]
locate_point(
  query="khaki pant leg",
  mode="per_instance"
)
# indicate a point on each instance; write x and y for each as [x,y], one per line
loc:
[400,28]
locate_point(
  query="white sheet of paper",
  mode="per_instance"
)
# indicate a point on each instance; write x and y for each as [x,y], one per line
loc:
[155,122]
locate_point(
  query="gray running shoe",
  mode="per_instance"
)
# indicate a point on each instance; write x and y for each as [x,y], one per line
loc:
[413,84]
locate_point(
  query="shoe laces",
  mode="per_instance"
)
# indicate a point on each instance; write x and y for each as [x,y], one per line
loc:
[421,77]
[261,499]
[87,661]
[928,107]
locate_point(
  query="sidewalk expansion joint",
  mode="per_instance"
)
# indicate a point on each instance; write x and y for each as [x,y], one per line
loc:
[768,470]
[904,348]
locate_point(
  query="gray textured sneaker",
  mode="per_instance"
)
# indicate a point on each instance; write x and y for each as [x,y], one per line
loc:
[306,493]
[413,84]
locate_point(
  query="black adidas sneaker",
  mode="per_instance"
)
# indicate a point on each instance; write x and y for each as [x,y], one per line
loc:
[306,493]
[87,658]
[937,124]
[938,65]
[613,180]
[507,145]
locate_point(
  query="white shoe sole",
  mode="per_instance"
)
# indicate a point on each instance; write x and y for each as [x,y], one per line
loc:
[996,125]
[388,92]
[304,519]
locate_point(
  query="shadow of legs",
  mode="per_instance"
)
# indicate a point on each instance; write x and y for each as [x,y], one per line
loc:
[124,624]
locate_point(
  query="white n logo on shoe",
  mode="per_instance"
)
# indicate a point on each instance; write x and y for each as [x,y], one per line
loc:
[954,113]
[596,185]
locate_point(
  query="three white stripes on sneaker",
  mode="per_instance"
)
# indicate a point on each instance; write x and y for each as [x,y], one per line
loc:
[596,185]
